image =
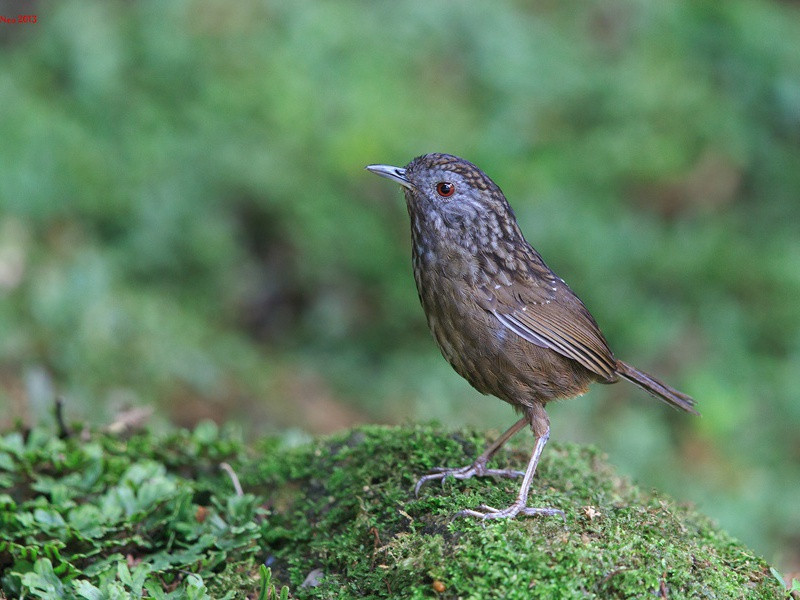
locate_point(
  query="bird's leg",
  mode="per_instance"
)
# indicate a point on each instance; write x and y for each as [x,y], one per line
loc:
[519,506]
[477,468]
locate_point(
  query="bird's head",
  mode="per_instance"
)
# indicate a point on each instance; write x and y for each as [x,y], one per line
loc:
[449,190]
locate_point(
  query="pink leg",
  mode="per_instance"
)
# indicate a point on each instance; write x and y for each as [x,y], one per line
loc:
[519,506]
[478,468]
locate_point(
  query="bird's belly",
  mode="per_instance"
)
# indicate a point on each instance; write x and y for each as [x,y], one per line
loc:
[492,358]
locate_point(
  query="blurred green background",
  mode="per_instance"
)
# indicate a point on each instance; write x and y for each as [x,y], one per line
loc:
[185,222]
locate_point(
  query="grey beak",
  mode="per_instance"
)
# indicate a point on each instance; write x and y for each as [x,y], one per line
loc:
[394,173]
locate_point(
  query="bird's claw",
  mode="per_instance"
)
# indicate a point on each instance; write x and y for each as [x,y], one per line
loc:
[518,508]
[477,469]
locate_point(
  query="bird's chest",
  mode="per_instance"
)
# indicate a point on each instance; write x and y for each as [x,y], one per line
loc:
[447,276]
[443,256]
[443,271]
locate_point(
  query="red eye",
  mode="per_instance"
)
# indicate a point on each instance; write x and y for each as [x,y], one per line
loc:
[445,189]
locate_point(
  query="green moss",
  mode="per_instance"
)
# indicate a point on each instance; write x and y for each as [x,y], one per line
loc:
[345,505]
[132,517]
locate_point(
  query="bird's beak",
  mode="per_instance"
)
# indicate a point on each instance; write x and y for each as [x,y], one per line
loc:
[394,173]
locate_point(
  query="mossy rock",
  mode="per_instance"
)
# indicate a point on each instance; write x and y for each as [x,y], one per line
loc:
[109,516]
[344,512]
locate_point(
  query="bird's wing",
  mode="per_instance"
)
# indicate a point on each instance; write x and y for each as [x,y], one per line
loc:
[541,308]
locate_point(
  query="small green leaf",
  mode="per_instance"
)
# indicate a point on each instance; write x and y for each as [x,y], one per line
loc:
[86,590]
[49,518]
[6,462]
[43,581]
[124,574]
[206,433]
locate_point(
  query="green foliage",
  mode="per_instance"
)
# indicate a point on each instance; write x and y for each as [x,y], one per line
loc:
[184,219]
[110,518]
[155,517]
[268,591]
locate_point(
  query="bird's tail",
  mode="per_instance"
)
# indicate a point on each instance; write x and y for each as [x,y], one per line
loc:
[660,390]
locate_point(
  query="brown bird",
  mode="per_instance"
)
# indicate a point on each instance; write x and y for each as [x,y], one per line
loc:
[506,323]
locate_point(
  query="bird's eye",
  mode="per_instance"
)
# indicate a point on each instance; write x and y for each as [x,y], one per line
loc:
[445,189]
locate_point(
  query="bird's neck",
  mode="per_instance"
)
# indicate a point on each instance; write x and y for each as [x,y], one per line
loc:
[426,239]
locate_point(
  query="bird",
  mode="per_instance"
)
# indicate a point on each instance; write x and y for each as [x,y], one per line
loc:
[501,317]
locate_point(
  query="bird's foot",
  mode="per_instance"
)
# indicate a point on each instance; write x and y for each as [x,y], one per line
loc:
[516,509]
[476,469]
